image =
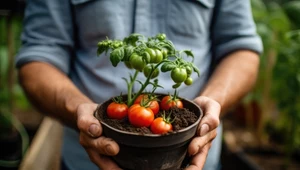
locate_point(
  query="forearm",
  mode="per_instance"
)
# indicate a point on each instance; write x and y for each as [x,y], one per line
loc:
[51,91]
[233,78]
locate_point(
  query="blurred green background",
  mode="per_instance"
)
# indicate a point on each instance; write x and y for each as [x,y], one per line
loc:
[271,111]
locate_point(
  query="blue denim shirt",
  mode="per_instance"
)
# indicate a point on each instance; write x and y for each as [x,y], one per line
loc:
[65,33]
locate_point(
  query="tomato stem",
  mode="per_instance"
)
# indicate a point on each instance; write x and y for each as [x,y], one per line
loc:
[129,89]
[146,83]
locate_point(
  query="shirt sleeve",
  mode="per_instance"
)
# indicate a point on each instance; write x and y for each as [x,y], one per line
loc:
[234,29]
[47,34]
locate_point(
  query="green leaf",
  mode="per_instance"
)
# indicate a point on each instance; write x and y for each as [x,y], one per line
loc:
[168,66]
[116,56]
[128,52]
[189,53]
[100,50]
[170,46]
[132,39]
[196,69]
[175,86]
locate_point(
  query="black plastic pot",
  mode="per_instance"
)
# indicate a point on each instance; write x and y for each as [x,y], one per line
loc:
[151,151]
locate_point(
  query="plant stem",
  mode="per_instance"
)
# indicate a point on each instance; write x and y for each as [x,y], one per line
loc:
[146,83]
[129,89]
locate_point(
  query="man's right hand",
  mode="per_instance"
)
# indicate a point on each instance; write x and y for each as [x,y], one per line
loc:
[98,147]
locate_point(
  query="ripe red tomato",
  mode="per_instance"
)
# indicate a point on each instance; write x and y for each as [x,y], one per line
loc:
[140,98]
[153,104]
[160,126]
[117,110]
[167,102]
[140,116]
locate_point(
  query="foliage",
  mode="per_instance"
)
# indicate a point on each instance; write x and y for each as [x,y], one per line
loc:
[279,79]
[286,88]
[11,94]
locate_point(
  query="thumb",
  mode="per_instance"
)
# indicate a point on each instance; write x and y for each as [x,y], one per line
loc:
[211,110]
[86,122]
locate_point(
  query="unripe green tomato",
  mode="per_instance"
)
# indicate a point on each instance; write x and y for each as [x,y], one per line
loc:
[147,70]
[165,53]
[159,56]
[189,70]
[100,44]
[161,36]
[146,57]
[127,64]
[137,62]
[116,45]
[152,54]
[188,81]
[105,44]
[178,74]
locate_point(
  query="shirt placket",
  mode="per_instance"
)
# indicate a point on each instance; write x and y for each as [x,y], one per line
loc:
[143,17]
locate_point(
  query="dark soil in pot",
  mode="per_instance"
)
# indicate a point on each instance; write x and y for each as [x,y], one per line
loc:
[182,119]
[142,150]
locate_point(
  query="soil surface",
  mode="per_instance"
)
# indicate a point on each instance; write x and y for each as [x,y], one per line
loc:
[182,119]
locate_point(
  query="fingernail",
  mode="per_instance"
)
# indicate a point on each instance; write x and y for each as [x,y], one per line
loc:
[94,130]
[204,129]
[109,150]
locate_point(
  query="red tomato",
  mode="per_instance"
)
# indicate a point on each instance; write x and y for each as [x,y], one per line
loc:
[160,126]
[117,110]
[140,116]
[153,104]
[167,102]
[140,98]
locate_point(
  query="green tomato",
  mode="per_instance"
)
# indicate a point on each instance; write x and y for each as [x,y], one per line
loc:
[189,70]
[127,64]
[161,36]
[178,74]
[137,62]
[146,57]
[165,53]
[159,56]
[147,71]
[116,45]
[188,81]
[152,54]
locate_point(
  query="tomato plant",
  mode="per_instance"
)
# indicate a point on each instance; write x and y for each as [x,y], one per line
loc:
[148,56]
[170,101]
[140,116]
[117,110]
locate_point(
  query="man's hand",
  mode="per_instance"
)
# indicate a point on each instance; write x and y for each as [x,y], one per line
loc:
[206,132]
[98,147]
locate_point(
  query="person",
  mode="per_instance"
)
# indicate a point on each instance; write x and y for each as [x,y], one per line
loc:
[63,77]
